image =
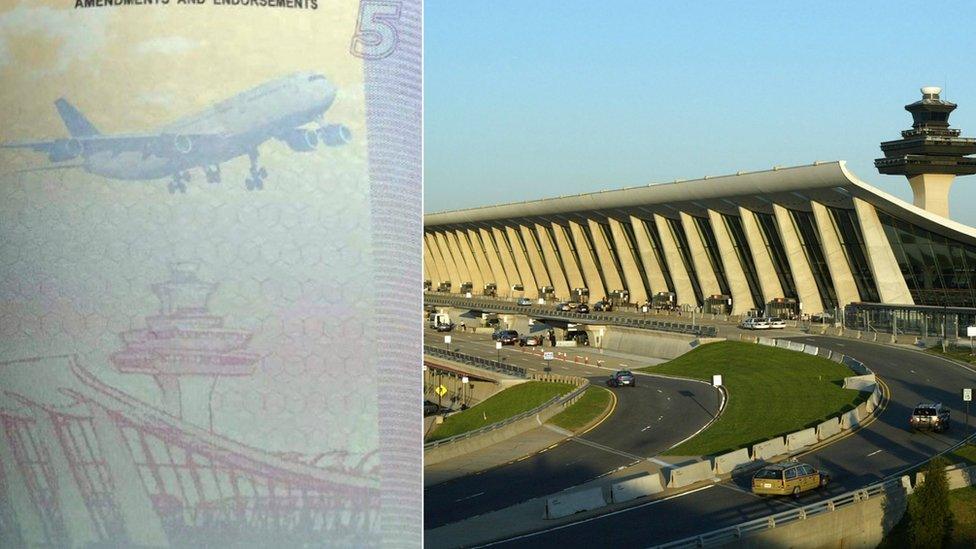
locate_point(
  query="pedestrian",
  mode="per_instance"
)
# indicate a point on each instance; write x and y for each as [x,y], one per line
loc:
[463,327]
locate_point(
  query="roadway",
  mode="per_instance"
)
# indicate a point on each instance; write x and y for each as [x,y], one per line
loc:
[648,419]
[883,448]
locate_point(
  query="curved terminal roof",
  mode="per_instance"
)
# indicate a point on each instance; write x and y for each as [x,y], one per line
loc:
[827,182]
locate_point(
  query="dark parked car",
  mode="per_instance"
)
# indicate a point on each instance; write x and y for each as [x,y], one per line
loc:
[531,340]
[583,308]
[563,307]
[445,327]
[604,306]
[507,337]
[621,378]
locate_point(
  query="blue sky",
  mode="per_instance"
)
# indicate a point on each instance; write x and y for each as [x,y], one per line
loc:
[528,100]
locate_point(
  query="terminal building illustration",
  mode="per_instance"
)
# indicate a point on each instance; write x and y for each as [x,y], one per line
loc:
[802,241]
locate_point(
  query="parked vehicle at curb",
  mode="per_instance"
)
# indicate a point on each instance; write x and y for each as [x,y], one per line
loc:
[603,306]
[756,323]
[507,337]
[444,327]
[930,415]
[583,309]
[776,323]
[532,340]
[622,378]
[524,302]
[788,478]
[563,307]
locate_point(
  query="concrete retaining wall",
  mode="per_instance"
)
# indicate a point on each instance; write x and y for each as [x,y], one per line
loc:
[957,475]
[641,342]
[636,488]
[850,419]
[689,474]
[570,503]
[769,449]
[726,463]
[863,524]
[801,439]
[829,428]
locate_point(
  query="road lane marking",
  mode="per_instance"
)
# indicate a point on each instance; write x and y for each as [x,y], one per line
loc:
[740,490]
[469,497]
[874,452]
[645,428]
[606,448]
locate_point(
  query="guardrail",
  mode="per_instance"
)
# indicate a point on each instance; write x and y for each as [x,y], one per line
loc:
[478,362]
[733,533]
[583,383]
[496,306]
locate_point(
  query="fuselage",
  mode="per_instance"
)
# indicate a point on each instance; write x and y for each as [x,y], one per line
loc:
[234,127]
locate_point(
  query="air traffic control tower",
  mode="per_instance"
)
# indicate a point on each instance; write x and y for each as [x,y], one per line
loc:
[930,154]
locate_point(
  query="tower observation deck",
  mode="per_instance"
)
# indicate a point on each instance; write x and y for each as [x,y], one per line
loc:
[930,154]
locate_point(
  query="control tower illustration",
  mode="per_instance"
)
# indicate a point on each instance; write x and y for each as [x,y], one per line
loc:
[185,348]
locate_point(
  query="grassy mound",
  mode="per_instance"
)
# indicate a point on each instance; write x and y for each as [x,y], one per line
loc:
[588,408]
[772,392]
[499,407]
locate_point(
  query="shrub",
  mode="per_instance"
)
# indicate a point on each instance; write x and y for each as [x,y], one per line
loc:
[931,518]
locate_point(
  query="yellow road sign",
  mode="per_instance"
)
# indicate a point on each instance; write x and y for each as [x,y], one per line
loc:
[441,390]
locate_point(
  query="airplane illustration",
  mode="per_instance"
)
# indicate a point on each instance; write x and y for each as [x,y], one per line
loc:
[279,109]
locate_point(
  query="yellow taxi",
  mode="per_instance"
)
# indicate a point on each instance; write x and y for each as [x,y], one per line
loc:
[788,477]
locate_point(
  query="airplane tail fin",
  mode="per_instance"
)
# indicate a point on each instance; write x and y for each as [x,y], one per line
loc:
[77,124]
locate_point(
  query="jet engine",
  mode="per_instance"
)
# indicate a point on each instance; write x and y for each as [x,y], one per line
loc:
[65,149]
[182,144]
[335,135]
[301,140]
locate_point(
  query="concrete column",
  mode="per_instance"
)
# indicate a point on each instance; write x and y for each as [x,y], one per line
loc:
[522,264]
[26,516]
[892,287]
[931,192]
[477,280]
[699,257]
[573,275]
[837,264]
[426,265]
[74,513]
[549,253]
[734,271]
[628,264]
[535,259]
[765,271]
[433,269]
[481,259]
[683,290]
[439,262]
[587,262]
[806,285]
[459,273]
[648,258]
[494,261]
[142,525]
[508,262]
[611,277]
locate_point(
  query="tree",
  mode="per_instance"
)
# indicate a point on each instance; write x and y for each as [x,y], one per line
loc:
[928,508]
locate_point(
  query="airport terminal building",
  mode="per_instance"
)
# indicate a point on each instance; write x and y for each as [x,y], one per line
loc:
[800,241]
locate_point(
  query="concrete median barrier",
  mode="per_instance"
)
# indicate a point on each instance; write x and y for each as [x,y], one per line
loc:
[829,428]
[727,463]
[801,439]
[811,350]
[689,474]
[570,503]
[636,488]
[764,451]
[849,420]
[861,383]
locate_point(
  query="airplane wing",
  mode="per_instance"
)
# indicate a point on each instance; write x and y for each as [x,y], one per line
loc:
[164,145]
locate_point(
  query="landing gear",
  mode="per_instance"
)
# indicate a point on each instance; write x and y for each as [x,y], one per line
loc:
[213,174]
[258,174]
[178,183]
